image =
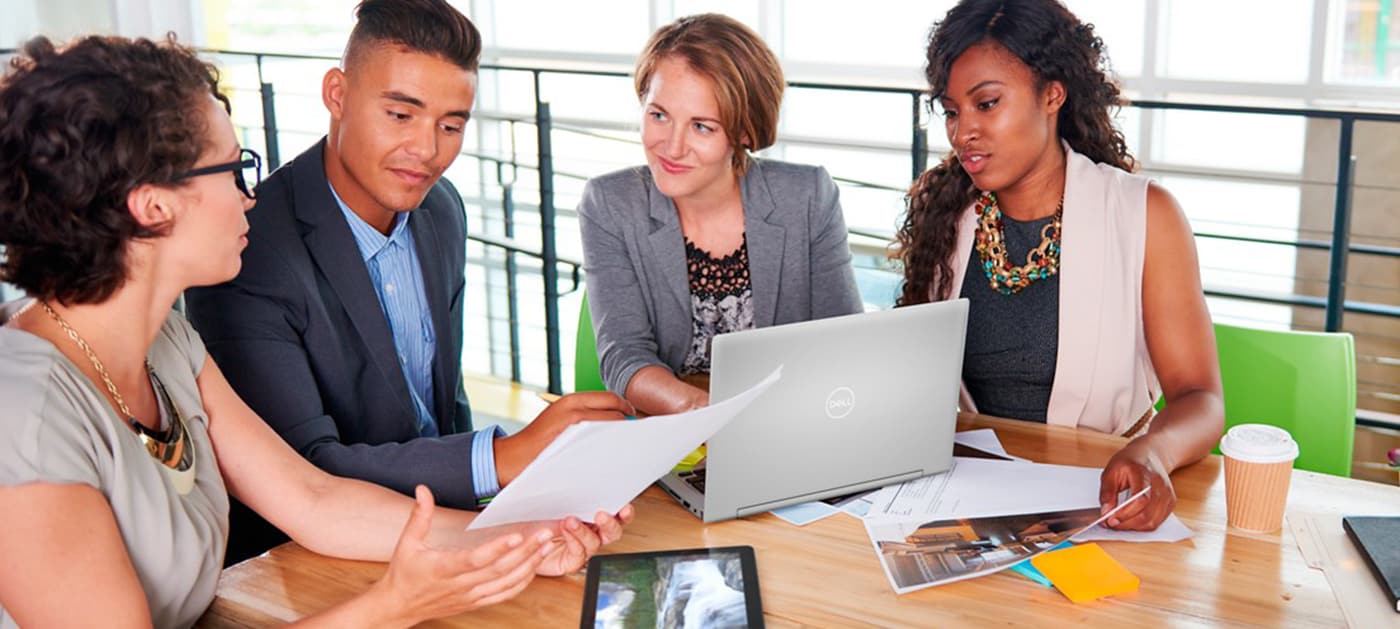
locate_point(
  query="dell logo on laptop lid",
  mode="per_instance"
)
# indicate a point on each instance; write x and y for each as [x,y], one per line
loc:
[840,402]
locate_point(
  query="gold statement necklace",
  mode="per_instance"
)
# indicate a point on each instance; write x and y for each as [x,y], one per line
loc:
[173,450]
[1041,262]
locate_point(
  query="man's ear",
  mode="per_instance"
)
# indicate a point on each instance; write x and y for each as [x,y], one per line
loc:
[150,205]
[1055,96]
[333,92]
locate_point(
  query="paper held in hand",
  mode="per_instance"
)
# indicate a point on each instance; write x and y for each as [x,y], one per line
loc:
[601,466]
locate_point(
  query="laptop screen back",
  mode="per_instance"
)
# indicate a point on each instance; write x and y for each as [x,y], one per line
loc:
[865,400]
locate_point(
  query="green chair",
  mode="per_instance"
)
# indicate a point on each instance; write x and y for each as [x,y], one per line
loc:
[1303,382]
[587,376]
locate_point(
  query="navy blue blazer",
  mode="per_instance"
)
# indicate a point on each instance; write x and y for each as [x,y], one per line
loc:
[302,339]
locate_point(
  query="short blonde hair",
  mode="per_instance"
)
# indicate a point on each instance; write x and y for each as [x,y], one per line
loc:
[747,78]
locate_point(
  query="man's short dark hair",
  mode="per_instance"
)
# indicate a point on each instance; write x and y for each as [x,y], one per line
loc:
[431,27]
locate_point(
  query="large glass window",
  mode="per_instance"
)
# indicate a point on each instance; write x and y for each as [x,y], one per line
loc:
[1247,41]
[596,26]
[885,33]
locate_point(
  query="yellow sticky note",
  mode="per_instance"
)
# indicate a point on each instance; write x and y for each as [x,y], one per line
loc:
[1085,573]
[688,463]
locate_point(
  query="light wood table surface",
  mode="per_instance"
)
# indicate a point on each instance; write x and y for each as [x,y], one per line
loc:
[826,574]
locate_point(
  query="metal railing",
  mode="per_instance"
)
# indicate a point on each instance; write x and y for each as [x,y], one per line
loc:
[1339,246]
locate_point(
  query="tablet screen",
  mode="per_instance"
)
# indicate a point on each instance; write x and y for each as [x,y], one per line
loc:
[702,587]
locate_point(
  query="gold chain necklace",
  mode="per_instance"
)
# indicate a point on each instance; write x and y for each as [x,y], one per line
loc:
[172,450]
[1041,262]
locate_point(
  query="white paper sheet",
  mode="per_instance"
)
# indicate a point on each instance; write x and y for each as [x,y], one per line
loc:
[983,487]
[987,487]
[601,466]
[982,439]
[980,546]
[1326,547]
[1170,530]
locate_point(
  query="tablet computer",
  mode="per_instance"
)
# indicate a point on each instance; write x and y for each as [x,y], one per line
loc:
[698,587]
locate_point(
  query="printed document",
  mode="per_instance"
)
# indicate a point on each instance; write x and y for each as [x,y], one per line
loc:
[602,466]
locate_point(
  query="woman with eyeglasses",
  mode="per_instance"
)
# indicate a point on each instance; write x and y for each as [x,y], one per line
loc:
[121,185]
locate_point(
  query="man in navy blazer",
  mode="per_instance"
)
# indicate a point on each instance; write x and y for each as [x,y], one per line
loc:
[343,330]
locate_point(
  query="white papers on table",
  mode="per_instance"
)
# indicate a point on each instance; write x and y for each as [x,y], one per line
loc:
[858,505]
[1325,546]
[981,487]
[987,487]
[984,439]
[601,466]
[1170,530]
[921,553]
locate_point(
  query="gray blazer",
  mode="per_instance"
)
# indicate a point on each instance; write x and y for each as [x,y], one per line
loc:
[638,284]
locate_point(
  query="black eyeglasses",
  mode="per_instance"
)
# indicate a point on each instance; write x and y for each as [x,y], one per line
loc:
[247,169]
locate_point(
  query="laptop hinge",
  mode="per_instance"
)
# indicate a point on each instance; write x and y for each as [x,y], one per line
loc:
[852,488]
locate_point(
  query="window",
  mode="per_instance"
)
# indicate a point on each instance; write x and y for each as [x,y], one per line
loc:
[1365,42]
[1248,41]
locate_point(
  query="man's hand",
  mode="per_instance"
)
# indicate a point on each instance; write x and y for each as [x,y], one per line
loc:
[513,453]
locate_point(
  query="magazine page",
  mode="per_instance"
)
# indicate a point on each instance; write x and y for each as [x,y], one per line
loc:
[918,554]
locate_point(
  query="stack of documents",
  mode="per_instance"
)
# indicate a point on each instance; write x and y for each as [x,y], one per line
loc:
[987,514]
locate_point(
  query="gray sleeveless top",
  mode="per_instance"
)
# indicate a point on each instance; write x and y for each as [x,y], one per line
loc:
[1012,340]
[58,428]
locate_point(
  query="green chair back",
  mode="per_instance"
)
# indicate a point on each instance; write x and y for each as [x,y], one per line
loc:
[587,376]
[1303,382]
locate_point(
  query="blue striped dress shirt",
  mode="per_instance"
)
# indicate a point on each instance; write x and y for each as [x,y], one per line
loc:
[397,276]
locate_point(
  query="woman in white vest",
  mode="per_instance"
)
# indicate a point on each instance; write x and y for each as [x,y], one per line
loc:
[1085,293]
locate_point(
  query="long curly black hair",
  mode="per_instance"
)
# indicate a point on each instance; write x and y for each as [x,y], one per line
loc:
[1057,47]
[80,128]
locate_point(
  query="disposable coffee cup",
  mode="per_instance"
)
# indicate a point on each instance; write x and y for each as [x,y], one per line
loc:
[1258,466]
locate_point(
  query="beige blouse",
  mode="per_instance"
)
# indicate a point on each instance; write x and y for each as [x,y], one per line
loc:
[59,428]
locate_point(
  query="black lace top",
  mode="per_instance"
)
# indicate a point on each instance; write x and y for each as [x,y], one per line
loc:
[720,298]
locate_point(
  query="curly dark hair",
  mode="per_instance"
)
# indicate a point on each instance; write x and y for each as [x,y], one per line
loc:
[1057,47]
[80,128]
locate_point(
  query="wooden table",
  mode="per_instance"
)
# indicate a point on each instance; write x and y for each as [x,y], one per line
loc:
[826,574]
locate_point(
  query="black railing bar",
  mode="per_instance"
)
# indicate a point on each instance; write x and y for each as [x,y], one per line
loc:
[1376,423]
[495,115]
[564,212]
[1308,112]
[1389,252]
[588,127]
[1266,274]
[868,184]
[271,55]
[1292,278]
[1140,103]
[873,89]
[1236,174]
[1260,226]
[506,67]
[1307,301]
[527,270]
[510,245]
[591,131]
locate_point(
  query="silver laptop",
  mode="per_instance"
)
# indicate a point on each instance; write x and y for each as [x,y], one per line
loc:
[865,400]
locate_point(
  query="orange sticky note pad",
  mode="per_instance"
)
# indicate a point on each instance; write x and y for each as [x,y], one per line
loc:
[1085,573]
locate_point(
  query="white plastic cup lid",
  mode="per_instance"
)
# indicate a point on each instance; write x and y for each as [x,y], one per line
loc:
[1259,443]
